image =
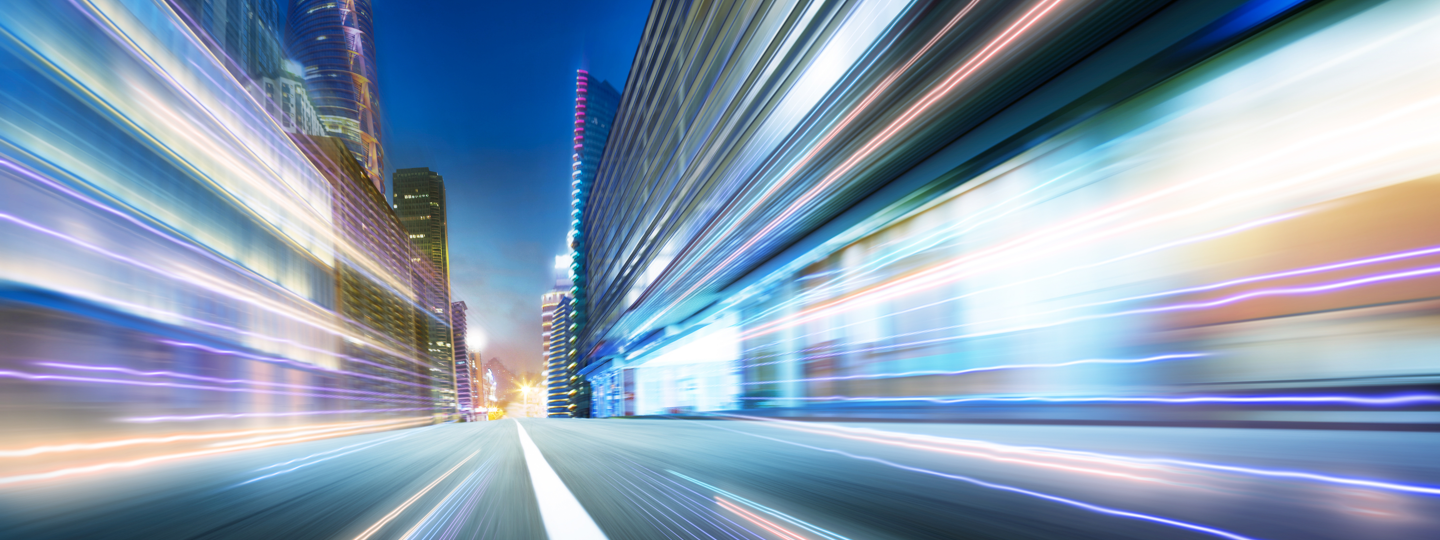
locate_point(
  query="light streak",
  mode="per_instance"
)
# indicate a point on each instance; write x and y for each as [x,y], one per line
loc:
[694,502]
[368,445]
[1001,487]
[172,374]
[388,517]
[207,284]
[928,442]
[1386,401]
[336,431]
[1095,457]
[1285,291]
[474,483]
[1194,239]
[819,146]
[65,378]
[72,471]
[1160,358]
[313,366]
[199,417]
[762,522]
[75,447]
[949,272]
[776,513]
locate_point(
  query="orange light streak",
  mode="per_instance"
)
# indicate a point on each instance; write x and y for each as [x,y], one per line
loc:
[762,522]
[335,431]
[61,473]
[74,447]
[999,449]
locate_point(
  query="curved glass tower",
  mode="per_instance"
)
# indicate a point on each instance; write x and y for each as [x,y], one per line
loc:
[335,41]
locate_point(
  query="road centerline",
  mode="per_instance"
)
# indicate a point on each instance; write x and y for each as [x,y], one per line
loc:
[564,517]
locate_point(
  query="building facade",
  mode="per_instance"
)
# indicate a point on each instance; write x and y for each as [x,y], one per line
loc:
[246,33]
[918,209]
[287,100]
[335,42]
[419,202]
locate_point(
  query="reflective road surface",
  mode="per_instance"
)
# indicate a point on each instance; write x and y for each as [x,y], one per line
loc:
[752,478]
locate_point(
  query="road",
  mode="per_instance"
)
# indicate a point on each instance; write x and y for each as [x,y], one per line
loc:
[715,479]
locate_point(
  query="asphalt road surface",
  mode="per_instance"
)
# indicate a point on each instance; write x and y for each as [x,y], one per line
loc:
[718,479]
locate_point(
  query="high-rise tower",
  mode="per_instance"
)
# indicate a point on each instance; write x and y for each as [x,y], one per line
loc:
[419,200]
[334,40]
[595,104]
[464,385]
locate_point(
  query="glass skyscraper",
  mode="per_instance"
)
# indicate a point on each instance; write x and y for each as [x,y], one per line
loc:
[595,104]
[420,203]
[335,41]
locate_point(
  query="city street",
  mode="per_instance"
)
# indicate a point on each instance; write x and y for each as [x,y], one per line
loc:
[760,479]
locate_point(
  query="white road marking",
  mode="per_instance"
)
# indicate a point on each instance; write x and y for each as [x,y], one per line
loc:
[564,518]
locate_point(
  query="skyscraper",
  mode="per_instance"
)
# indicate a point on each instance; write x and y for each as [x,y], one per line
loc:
[335,41]
[554,322]
[419,201]
[464,389]
[595,104]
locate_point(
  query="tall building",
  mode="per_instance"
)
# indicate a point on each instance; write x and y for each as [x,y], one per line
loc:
[335,41]
[247,32]
[554,322]
[464,388]
[475,375]
[287,100]
[419,202]
[595,104]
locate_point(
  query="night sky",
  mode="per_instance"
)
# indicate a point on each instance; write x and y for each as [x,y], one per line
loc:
[483,93]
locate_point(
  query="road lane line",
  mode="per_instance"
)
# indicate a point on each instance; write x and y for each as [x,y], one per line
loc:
[380,524]
[564,518]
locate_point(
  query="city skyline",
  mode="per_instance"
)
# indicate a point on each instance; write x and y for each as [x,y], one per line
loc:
[500,131]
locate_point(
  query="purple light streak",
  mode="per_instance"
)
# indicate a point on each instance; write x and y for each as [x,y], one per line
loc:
[369,444]
[1272,473]
[309,366]
[1191,240]
[152,419]
[1062,500]
[231,265]
[1386,401]
[128,371]
[65,378]
[1285,291]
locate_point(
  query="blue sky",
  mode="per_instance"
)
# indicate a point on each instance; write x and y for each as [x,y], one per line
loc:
[483,93]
